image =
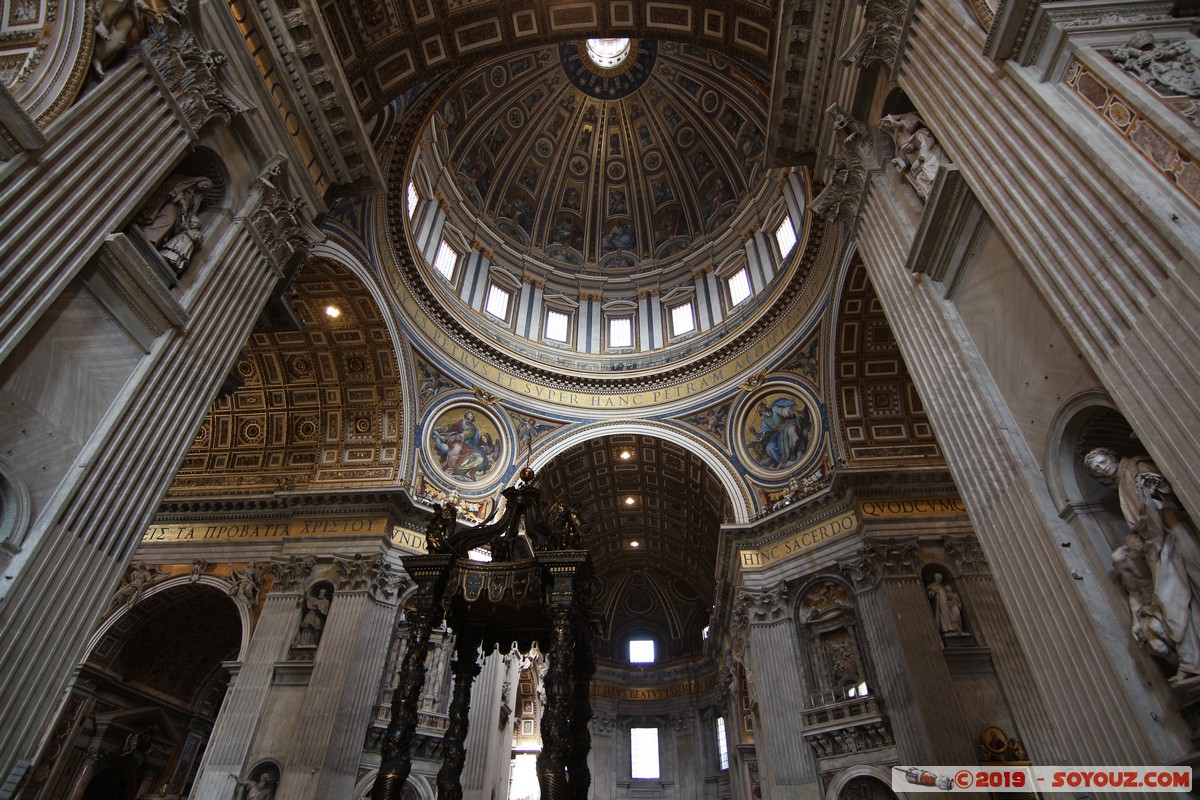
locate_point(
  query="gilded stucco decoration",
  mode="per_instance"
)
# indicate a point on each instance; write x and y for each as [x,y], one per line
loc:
[318,404]
[882,417]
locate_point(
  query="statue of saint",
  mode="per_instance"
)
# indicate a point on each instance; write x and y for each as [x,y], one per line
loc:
[918,154]
[261,789]
[947,608]
[1159,564]
[170,220]
[312,625]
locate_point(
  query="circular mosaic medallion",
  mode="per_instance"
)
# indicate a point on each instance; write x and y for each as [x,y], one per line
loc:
[779,430]
[465,444]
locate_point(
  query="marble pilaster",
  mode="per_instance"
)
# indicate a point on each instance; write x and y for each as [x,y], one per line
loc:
[324,755]
[489,747]
[233,735]
[906,651]
[789,767]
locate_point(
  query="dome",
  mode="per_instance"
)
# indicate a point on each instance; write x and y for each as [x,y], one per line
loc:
[601,171]
[616,169]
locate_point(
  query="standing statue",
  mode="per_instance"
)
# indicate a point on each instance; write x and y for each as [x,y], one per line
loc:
[177,251]
[312,625]
[170,220]
[947,608]
[119,25]
[261,789]
[440,528]
[1159,564]
[918,154]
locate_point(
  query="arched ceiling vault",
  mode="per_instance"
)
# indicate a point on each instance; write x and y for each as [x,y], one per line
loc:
[317,406]
[665,582]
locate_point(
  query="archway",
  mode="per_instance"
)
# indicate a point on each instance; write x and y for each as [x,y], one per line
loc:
[147,697]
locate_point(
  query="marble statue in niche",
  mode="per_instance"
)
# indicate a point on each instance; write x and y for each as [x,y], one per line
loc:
[260,785]
[312,624]
[1159,563]
[170,221]
[918,154]
[1170,68]
[947,606]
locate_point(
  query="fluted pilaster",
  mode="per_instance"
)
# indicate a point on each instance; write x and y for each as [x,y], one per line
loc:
[85,538]
[789,764]
[55,210]
[1009,505]
[241,713]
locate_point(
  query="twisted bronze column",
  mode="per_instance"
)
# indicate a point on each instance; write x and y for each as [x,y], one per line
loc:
[552,761]
[395,761]
[579,776]
[454,755]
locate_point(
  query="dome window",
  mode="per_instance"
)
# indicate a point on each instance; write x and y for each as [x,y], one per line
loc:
[739,286]
[785,237]
[557,326]
[607,53]
[414,197]
[683,319]
[497,302]
[620,332]
[446,260]
[641,651]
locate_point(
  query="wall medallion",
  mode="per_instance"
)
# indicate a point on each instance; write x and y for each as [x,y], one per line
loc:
[464,443]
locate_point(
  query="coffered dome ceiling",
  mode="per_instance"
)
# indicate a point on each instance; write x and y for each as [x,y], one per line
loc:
[616,172]
[601,185]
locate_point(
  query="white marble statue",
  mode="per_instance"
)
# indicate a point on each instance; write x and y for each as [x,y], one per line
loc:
[170,220]
[947,608]
[1159,564]
[918,154]
[312,625]
[177,251]
[261,789]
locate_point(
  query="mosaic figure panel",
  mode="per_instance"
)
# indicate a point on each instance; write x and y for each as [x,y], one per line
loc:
[465,444]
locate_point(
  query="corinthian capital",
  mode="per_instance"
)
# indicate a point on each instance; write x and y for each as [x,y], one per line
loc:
[764,606]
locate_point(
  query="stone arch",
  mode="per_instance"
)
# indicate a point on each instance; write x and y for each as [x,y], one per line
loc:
[837,789]
[417,784]
[154,679]
[119,618]
[827,628]
[736,490]
[15,508]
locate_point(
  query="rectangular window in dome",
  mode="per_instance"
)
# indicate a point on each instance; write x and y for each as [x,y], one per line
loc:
[683,319]
[497,302]
[556,326]
[446,260]
[643,753]
[722,746]
[739,286]
[641,651]
[413,199]
[620,332]
[785,236]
